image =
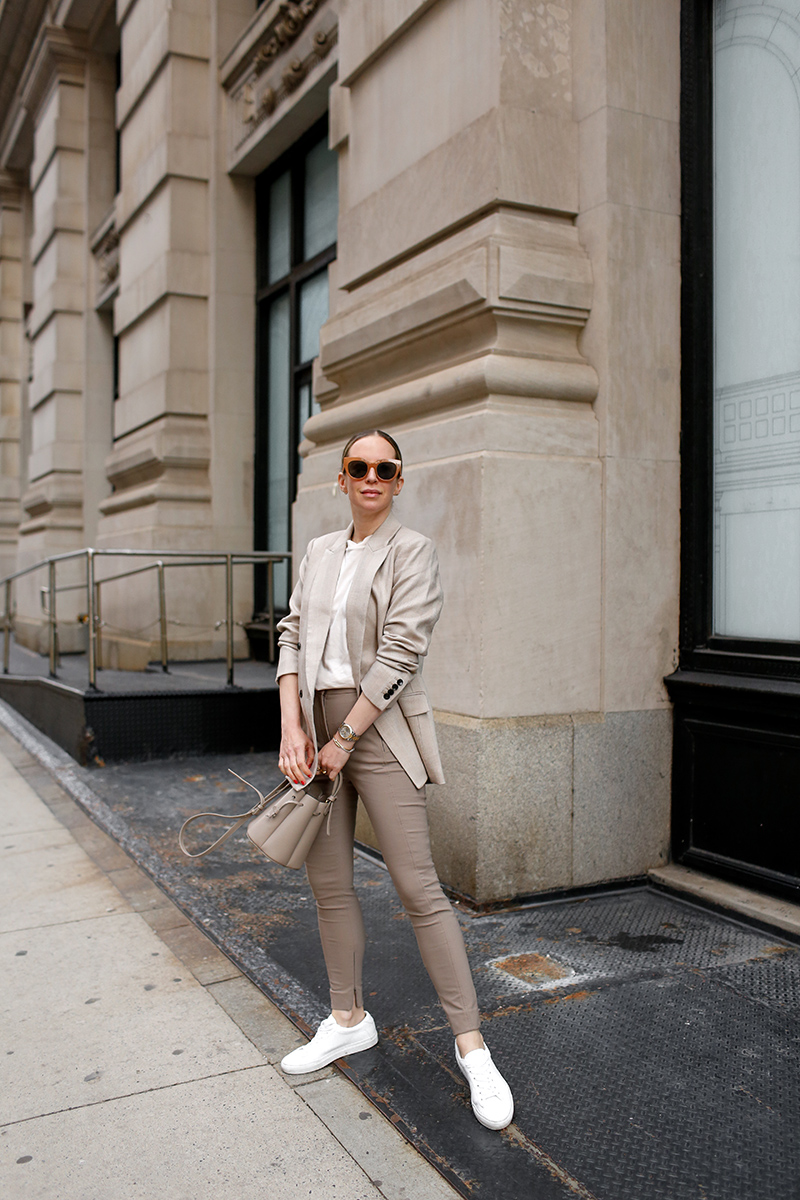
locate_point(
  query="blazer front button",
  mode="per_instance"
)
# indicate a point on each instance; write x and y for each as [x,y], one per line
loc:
[301,693]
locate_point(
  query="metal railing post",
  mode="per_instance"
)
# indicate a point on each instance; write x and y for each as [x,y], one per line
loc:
[229,615]
[162,616]
[7,629]
[98,616]
[52,635]
[92,619]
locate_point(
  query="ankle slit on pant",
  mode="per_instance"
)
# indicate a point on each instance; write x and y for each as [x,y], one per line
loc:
[398,814]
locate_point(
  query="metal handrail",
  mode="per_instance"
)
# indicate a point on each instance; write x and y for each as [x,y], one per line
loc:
[187,558]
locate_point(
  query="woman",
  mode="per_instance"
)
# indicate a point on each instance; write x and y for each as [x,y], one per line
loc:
[359,623]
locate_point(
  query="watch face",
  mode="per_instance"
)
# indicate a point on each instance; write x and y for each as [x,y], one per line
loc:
[347,732]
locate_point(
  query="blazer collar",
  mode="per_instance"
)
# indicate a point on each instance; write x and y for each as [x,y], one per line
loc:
[384,533]
[378,540]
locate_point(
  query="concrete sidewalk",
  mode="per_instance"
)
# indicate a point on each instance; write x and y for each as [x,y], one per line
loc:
[137,1060]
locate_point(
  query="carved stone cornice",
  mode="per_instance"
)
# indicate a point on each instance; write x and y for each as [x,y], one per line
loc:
[105,248]
[278,52]
[290,21]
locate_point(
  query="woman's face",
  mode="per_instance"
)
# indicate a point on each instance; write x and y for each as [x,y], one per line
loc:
[370,496]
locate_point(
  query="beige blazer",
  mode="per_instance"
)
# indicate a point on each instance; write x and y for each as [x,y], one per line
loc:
[394,602]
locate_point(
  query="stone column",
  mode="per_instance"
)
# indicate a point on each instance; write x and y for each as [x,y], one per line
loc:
[101,265]
[53,92]
[159,465]
[11,366]
[464,296]
[462,291]
[232,287]
[627,97]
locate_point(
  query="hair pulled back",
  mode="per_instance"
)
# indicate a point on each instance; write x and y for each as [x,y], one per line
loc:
[372,433]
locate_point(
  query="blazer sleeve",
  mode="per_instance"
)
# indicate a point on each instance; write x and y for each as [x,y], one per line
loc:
[414,608]
[289,627]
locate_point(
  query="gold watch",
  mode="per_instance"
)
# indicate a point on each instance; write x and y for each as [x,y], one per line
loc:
[347,733]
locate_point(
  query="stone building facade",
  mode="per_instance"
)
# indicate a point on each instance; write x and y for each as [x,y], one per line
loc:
[186,341]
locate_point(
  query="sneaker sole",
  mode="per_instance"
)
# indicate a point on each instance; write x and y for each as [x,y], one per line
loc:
[496,1125]
[363,1044]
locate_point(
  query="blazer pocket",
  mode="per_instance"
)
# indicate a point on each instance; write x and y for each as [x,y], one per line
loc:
[413,704]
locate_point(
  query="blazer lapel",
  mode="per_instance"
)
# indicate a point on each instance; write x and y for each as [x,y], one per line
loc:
[320,602]
[358,599]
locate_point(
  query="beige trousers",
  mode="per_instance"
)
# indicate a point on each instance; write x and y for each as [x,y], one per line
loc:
[399,818]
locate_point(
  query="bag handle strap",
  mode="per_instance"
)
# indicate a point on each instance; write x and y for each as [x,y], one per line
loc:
[238,820]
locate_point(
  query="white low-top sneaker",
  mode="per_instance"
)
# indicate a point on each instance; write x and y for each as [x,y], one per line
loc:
[331,1041]
[491,1097]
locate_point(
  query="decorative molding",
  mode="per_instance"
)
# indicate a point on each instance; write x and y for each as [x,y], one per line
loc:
[456,386]
[107,255]
[259,76]
[166,460]
[290,22]
[57,54]
[105,248]
[494,311]
[256,104]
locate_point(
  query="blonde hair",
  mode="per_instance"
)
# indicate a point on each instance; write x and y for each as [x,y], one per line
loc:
[372,433]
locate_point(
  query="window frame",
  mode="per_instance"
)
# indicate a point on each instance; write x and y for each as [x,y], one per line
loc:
[300,270]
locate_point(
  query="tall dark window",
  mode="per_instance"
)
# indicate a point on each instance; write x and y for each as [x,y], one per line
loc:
[297,204]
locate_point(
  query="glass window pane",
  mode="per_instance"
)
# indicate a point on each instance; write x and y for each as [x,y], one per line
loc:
[278,430]
[280,227]
[307,407]
[313,314]
[756,327]
[321,199]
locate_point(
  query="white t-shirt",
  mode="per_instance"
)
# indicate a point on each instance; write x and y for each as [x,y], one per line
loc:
[335,670]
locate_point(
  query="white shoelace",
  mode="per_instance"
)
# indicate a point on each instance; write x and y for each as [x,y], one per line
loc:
[330,1023]
[488,1080]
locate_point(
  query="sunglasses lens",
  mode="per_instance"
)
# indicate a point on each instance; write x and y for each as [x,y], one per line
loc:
[386,471]
[357,469]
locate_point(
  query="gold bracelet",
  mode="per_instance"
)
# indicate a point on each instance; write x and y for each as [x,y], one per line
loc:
[341,747]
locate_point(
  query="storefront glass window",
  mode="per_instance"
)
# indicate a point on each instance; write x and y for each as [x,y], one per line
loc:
[756,542]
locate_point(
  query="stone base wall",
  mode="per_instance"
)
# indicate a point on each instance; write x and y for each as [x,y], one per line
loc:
[534,804]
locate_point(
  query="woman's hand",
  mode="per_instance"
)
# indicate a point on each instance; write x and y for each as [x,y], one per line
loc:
[332,759]
[296,755]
